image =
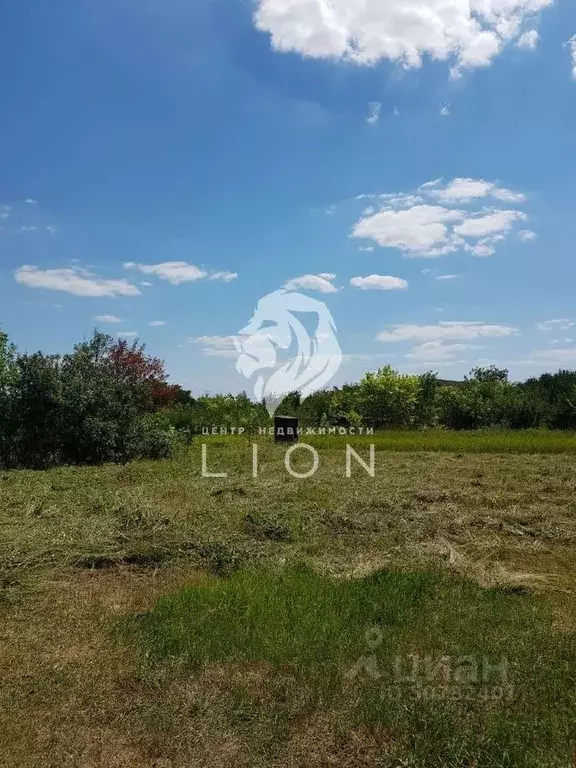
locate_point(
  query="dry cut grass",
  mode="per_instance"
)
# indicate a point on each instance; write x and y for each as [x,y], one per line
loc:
[83,548]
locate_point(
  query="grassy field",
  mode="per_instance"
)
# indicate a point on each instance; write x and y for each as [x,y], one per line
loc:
[481,441]
[422,617]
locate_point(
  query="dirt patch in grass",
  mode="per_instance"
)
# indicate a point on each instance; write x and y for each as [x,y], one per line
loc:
[68,690]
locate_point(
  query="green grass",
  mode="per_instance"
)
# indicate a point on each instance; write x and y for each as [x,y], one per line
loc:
[504,694]
[480,441]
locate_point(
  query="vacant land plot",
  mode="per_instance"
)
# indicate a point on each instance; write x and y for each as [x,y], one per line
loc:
[425,616]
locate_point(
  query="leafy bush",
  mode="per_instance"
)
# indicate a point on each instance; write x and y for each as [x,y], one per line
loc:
[90,406]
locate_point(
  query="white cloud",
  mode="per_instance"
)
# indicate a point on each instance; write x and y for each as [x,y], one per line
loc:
[572,46]
[484,247]
[433,221]
[446,277]
[366,248]
[107,319]
[75,280]
[144,284]
[528,40]
[468,34]
[127,334]
[463,190]
[217,346]
[490,224]
[379,283]
[421,229]
[444,330]
[175,272]
[215,341]
[225,277]
[560,324]
[374,112]
[436,351]
[526,235]
[157,323]
[445,111]
[320,283]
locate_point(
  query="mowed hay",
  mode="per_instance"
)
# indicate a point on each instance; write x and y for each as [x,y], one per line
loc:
[84,549]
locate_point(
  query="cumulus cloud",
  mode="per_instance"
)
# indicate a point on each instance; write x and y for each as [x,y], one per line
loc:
[490,224]
[437,218]
[464,190]
[467,34]
[445,111]
[420,229]
[74,280]
[444,330]
[157,323]
[321,283]
[107,319]
[379,283]
[529,40]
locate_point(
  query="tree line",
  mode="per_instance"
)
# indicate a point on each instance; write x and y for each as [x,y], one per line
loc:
[109,401]
[386,399]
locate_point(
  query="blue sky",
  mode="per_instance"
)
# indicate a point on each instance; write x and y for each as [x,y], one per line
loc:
[173,161]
